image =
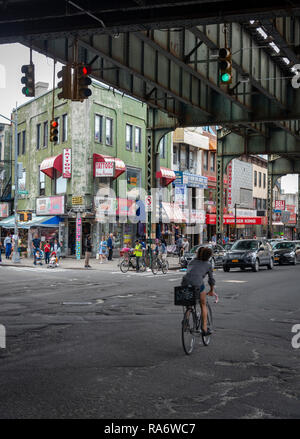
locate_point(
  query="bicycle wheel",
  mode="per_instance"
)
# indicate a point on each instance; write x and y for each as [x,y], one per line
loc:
[165,267]
[188,331]
[206,338]
[155,267]
[124,266]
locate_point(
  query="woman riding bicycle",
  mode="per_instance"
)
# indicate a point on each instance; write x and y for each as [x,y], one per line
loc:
[197,269]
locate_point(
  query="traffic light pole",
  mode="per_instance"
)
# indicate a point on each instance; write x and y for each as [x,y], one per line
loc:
[16,257]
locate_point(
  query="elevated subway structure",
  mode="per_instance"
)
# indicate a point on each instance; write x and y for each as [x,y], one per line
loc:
[164,54]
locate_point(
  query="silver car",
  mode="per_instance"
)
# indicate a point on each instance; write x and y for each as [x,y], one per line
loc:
[250,253]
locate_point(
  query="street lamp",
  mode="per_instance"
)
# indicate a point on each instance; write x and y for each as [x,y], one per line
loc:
[16,257]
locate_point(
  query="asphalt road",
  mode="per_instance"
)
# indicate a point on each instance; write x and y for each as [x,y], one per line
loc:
[85,344]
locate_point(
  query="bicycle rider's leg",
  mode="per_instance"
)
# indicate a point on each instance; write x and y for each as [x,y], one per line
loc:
[203,310]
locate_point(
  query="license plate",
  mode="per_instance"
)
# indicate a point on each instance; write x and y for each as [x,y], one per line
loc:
[235,260]
[276,259]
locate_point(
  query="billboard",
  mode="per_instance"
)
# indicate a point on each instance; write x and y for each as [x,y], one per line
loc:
[50,205]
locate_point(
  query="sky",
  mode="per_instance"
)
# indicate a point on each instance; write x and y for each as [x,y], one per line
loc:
[13,56]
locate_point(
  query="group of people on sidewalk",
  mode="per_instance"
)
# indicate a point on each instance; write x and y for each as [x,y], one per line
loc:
[105,250]
[49,248]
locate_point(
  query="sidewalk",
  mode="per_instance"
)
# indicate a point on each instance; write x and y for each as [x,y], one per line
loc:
[72,263]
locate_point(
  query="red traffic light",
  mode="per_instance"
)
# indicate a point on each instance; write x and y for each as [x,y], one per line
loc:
[54,124]
[86,70]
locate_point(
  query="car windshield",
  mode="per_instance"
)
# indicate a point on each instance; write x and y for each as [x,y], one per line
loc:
[284,245]
[245,245]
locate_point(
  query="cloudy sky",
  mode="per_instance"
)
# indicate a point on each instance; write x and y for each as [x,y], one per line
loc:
[13,56]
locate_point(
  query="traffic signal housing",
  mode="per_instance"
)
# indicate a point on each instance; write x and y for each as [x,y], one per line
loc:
[82,82]
[65,74]
[225,65]
[28,80]
[53,131]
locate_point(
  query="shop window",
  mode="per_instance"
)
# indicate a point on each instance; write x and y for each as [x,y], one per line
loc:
[45,137]
[108,131]
[129,137]
[64,128]
[98,128]
[162,148]
[133,181]
[205,160]
[60,185]
[23,142]
[138,139]
[41,183]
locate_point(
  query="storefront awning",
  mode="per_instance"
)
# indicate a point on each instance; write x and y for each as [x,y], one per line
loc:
[167,175]
[52,164]
[119,165]
[37,221]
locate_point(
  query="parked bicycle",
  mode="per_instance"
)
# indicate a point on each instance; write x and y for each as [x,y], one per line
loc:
[159,264]
[192,319]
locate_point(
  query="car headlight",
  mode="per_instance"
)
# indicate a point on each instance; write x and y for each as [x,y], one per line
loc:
[290,254]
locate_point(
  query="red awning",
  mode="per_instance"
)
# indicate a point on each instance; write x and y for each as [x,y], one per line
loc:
[167,175]
[51,164]
[119,165]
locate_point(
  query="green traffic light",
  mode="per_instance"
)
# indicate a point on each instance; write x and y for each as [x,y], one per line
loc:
[225,77]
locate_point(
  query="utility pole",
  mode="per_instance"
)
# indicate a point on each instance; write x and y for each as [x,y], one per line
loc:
[16,257]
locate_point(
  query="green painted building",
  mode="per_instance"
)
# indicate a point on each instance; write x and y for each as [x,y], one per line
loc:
[109,123]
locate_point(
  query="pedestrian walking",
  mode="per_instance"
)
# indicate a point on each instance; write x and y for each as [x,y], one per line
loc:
[179,243]
[103,250]
[88,251]
[36,244]
[110,246]
[7,246]
[47,250]
[185,245]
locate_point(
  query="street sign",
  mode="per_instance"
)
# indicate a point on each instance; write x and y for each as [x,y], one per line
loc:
[77,200]
[23,192]
[149,203]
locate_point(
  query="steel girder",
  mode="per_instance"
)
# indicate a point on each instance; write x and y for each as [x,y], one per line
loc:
[172,71]
[81,17]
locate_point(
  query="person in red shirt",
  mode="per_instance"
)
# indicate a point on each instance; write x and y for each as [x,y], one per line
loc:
[47,252]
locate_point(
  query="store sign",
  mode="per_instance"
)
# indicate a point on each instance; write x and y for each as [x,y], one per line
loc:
[78,237]
[105,169]
[180,194]
[190,180]
[4,210]
[280,204]
[229,196]
[50,205]
[211,219]
[67,167]
[77,200]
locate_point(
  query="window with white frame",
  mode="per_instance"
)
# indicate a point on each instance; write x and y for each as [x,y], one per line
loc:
[129,130]
[138,139]
[64,128]
[108,131]
[45,134]
[98,128]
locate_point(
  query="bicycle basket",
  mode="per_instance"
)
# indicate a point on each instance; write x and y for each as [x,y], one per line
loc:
[184,296]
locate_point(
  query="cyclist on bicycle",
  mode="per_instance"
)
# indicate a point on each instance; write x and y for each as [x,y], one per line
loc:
[197,269]
[161,251]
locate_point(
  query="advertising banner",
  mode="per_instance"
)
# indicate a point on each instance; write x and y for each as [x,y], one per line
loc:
[4,210]
[50,205]
[67,167]
[105,169]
